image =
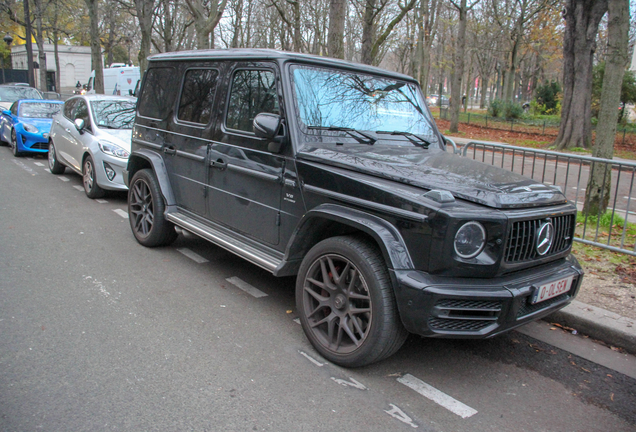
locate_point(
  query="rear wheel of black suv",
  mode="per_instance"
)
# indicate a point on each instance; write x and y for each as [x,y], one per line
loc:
[146,211]
[346,303]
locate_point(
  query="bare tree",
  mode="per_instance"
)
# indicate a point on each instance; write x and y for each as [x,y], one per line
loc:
[96,49]
[337,14]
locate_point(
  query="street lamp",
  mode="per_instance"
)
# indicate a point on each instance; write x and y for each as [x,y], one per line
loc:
[7,39]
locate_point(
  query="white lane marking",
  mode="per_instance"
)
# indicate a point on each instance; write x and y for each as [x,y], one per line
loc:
[246,287]
[47,170]
[353,383]
[64,179]
[24,167]
[193,256]
[397,413]
[297,321]
[437,396]
[30,159]
[311,359]
[101,201]
[121,213]
[40,164]
[79,188]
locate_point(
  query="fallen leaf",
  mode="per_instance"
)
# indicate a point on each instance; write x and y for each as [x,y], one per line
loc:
[612,397]
[289,311]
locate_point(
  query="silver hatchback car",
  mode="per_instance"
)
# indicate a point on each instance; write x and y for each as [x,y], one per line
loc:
[91,136]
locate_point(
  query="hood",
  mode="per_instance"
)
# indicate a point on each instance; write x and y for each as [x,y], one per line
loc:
[43,124]
[121,137]
[465,178]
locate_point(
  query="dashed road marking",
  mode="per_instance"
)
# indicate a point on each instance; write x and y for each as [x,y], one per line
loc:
[397,413]
[246,287]
[352,383]
[40,164]
[193,256]
[297,321]
[437,396]
[121,213]
[64,179]
[79,188]
[311,359]
[101,201]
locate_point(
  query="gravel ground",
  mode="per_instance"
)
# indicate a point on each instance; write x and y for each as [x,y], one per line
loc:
[609,292]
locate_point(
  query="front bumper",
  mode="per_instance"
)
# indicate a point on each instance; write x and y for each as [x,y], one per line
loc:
[105,163]
[32,142]
[445,307]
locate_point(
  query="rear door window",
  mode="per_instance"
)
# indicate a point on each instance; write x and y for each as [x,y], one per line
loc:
[158,94]
[197,96]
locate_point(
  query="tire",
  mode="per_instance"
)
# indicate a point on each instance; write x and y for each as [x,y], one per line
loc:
[89,179]
[346,302]
[14,144]
[54,165]
[146,211]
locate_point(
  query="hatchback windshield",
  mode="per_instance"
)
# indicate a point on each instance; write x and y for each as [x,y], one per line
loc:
[39,109]
[113,114]
[336,99]
[12,94]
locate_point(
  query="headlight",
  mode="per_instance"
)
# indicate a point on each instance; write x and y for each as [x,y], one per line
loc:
[29,128]
[113,149]
[470,240]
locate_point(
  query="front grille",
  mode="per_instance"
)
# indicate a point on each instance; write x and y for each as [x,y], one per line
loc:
[527,308]
[469,304]
[454,324]
[522,238]
[40,146]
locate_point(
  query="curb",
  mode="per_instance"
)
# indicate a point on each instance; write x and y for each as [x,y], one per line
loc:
[597,323]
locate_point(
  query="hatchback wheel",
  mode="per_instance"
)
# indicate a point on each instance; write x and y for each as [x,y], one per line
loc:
[54,165]
[89,178]
[146,211]
[14,144]
[346,303]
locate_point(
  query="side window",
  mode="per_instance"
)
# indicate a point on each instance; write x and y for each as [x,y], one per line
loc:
[14,109]
[158,94]
[253,92]
[81,112]
[197,96]
[68,108]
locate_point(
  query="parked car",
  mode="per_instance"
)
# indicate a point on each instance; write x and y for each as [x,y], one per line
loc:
[26,125]
[91,136]
[434,100]
[335,172]
[10,93]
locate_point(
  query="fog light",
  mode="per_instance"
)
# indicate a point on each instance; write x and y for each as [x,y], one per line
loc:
[110,172]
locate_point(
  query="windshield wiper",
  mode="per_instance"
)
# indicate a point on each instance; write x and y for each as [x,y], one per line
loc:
[414,138]
[361,137]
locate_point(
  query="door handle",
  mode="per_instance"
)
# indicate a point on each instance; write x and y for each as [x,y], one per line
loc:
[218,164]
[170,150]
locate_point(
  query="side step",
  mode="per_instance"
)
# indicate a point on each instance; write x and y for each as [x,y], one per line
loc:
[266,259]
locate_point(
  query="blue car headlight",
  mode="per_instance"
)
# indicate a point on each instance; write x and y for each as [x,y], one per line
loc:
[30,128]
[113,149]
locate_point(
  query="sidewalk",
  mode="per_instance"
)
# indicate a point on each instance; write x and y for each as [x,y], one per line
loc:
[597,323]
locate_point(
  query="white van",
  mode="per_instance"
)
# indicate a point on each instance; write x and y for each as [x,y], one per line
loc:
[117,80]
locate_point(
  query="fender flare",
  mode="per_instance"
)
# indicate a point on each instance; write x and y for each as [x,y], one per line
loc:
[140,159]
[387,237]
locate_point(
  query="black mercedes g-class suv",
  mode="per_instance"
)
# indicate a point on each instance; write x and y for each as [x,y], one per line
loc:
[335,172]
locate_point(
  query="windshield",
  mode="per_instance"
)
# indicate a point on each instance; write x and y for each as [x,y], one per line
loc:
[39,109]
[113,114]
[12,94]
[328,99]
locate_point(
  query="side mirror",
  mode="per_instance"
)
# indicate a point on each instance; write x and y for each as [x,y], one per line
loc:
[271,127]
[79,124]
[6,112]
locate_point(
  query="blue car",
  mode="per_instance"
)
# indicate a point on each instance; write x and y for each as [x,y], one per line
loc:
[26,126]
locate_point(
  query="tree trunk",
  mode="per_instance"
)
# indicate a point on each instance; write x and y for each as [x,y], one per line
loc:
[582,18]
[368,32]
[145,13]
[39,40]
[29,47]
[335,40]
[458,69]
[96,49]
[599,183]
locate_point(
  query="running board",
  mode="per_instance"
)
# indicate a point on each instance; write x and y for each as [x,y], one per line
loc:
[263,259]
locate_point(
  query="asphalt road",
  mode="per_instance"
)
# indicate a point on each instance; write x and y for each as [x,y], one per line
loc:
[100,333]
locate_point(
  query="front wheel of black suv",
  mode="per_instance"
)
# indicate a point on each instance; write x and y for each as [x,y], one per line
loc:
[146,211]
[346,302]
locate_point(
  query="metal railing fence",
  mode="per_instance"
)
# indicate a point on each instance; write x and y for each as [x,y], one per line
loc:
[616,230]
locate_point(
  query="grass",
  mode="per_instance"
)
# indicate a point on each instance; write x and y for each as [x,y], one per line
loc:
[613,238]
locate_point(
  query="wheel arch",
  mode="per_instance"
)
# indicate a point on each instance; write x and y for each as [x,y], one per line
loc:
[143,159]
[330,220]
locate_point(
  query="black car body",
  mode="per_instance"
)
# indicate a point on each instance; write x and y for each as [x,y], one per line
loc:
[335,172]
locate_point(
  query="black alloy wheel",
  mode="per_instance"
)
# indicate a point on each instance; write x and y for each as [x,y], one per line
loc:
[146,211]
[89,178]
[346,302]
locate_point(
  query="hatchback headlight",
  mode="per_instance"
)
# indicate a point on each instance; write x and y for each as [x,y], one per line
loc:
[30,128]
[113,149]
[470,240]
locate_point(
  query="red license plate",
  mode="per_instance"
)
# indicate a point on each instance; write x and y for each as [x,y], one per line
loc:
[552,289]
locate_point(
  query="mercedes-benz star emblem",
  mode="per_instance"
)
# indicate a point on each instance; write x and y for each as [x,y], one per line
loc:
[545,237]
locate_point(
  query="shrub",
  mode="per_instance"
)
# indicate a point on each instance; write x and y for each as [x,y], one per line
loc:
[548,98]
[512,110]
[496,108]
